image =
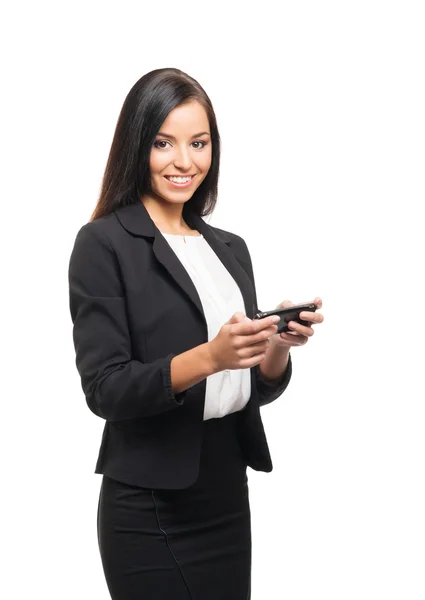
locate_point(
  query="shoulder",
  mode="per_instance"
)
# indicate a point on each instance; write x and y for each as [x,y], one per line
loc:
[227,236]
[236,242]
[93,244]
[93,264]
[98,236]
[101,229]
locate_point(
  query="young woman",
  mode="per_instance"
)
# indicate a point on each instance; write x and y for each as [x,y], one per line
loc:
[170,357]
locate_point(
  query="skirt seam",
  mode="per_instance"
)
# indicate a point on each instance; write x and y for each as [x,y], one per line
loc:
[169,547]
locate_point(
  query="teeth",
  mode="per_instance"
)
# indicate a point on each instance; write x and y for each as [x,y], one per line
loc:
[179,179]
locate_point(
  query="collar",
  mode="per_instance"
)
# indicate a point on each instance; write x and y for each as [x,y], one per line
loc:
[137,221]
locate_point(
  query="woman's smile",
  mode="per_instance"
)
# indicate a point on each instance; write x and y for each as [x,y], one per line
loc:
[180,181]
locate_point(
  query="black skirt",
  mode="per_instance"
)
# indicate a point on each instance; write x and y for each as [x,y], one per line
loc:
[190,544]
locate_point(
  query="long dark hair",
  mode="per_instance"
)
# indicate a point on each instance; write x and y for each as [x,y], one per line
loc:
[127,173]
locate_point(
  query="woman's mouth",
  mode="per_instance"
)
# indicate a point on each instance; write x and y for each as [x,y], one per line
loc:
[180,181]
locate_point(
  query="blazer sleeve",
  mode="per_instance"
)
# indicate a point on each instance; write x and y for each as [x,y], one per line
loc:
[116,386]
[268,390]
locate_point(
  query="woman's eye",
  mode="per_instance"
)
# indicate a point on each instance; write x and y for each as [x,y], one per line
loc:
[203,145]
[160,142]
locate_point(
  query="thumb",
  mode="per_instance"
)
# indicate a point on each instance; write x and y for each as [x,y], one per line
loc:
[238,317]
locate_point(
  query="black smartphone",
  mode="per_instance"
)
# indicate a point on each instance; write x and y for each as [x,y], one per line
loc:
[292,313]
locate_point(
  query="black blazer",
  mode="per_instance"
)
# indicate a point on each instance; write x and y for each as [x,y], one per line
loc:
[134,307]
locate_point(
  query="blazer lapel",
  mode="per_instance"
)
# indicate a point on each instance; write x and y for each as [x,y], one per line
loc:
[137,221]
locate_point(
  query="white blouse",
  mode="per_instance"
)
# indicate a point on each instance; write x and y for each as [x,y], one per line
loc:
[226,391]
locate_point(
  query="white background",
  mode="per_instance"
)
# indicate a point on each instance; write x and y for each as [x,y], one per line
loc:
[320,107]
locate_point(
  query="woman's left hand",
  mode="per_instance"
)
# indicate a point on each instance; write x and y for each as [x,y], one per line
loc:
[298,334]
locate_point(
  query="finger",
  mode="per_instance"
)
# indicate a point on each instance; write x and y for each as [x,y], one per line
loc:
[246,350]
[253,338]
[301,329]
[285,304]
[293,339]
[237,317]
[258,336]
[312,317]
[255,325]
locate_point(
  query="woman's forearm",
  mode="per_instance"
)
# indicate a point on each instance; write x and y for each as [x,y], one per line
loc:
[275,362]
[190,367]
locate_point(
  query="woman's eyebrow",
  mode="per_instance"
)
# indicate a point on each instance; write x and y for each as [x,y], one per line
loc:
[173,138]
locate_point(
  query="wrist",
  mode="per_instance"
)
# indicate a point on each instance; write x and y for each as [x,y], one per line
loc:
[209,359]
[275,363]
[277,346]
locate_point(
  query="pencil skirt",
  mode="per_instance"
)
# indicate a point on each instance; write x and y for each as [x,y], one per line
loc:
[189,544]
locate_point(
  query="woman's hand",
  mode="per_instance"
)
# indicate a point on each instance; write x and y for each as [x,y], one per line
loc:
[241,343]
[298,334]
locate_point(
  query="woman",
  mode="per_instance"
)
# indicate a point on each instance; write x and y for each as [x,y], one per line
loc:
[169,356]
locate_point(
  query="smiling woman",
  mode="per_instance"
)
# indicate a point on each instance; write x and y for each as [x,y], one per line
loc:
[161,361]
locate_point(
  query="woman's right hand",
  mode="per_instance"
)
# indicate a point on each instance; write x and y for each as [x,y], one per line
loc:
[241,343]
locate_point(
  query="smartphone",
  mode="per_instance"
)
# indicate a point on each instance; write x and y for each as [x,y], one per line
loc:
[292,313]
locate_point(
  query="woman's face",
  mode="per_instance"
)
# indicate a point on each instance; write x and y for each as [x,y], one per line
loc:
[182,149]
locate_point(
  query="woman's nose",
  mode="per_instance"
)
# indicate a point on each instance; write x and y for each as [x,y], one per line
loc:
[182,158]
